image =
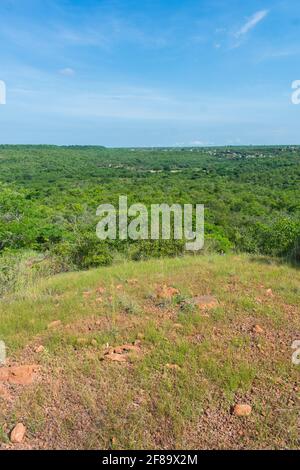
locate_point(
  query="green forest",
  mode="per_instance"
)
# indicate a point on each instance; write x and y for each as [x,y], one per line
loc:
[49,196]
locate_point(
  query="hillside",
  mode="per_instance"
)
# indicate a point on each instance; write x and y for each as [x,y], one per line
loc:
[154,355]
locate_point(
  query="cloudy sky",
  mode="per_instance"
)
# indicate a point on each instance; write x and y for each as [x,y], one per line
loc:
[149,73]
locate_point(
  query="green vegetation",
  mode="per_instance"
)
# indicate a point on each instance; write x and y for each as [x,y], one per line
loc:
[125,356]
[49,196]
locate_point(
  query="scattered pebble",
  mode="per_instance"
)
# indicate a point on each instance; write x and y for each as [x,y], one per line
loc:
[269,293]
[258,330]
[242,410]
[115,357]
[165,292]
[173,366]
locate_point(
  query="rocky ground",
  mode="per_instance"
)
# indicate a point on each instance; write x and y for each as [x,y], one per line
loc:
[190,353]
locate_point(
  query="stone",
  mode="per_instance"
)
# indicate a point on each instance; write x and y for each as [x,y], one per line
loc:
[242,410]
[258,330]
[269,293]
[18,433]
[166,292]
[173,366]
[115,357]
[100,290]
[205,302]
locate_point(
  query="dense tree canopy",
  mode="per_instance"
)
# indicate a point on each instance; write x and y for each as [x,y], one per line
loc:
[49,196]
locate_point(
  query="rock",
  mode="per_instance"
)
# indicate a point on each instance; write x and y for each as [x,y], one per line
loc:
[100,290]
[242,410]
[18,433]
[258,330]
[166,292]
[173,366]
[205,302]
[120,353]
[115,357]
[127,348]
[269,293]
[18,375]
[39,349]
[54,324]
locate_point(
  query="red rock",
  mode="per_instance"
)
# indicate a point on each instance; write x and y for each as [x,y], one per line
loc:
[242,410]
[100,290]
[126,348]
[166,292]
[173,366]
[18,433]
[115,357]
[258,330]
[269,293]
[205,302]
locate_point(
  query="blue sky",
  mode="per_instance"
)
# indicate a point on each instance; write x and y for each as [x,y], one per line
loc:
[149,73]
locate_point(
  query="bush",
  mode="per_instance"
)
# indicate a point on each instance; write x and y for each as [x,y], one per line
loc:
[21,269]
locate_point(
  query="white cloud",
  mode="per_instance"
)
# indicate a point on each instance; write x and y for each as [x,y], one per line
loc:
[252,22]
[68,72]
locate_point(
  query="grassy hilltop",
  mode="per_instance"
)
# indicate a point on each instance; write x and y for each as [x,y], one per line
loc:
[124,357]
